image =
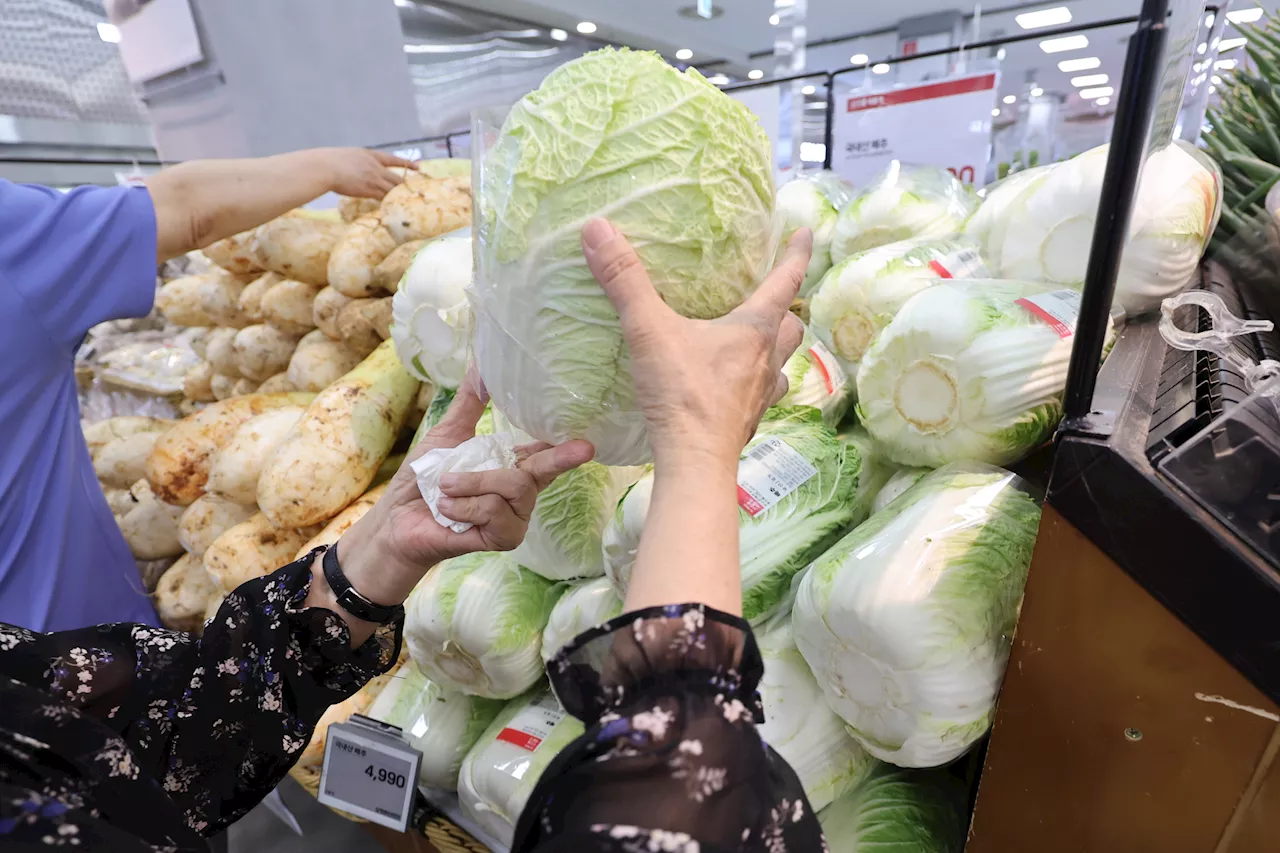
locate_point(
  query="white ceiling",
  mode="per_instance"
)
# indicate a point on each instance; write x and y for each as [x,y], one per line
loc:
[735,41]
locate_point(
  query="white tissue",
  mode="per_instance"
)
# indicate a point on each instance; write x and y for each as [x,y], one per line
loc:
[482,453]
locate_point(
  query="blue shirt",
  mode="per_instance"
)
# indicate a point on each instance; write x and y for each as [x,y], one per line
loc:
[67,262]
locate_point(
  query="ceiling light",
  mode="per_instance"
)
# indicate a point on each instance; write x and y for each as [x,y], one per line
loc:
[1231,44]
[1044,18]
[1225,64]
[880,68]
[1209,19]
[996,111]
[1010,99]
[1244,16]
[684,53]
[809,90]
[1089,80]
[1084,63]
[1217,81]
[1037,92]
[109,32]
[1201,48]
[718,80]
[404,2]
[859,59]
[1100,92]
[1103,101]
[558,34]
[774,20]
[1001,53]
[813,152]
[586,27]
[816,105]
[1058,45]
[755,74]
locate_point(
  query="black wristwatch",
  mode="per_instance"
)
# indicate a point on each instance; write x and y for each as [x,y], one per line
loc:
[350,600]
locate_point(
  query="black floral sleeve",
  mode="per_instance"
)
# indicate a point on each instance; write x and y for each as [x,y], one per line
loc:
[671,760]
[127,720]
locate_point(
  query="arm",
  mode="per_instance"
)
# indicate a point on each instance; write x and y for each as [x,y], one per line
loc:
[203,201]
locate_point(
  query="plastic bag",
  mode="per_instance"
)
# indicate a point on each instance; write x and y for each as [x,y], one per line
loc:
[482,453]
[812,201]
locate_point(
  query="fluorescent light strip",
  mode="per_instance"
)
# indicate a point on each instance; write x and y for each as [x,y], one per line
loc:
[1100,92]
[1084,63]
[109,33]
[1231,44]
[1044,18]
[1245,16]
[1089,80]
[1058,45]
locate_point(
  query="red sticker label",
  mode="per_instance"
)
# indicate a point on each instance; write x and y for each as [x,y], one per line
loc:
[523,740]
[937,267]
[750,504]
[1059,309]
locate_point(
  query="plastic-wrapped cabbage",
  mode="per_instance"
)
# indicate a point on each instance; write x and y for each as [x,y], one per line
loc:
[902,479]
[817,378]
[969,370]
[799,725]
[501,770]
[587,604]
[442,724]
[569,518]
[902,202]
[777,537]
[812,201]
[1044,234]
[907,621]
[679,167]
[431,319]
[875,470]
[475,622]
[898,811]
[863,292]
[996,201]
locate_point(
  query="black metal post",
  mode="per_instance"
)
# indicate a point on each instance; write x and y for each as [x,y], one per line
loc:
[828,132]
[1138,92]
[448,146]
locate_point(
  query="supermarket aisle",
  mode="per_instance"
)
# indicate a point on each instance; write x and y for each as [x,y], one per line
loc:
[260,831]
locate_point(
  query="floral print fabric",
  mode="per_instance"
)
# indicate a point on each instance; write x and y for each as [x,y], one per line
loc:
[671,760]
[125,737]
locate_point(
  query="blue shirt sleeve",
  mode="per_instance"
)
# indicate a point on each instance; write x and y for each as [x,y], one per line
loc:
[78,258]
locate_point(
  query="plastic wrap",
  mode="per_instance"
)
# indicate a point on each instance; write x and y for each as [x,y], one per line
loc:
[797,487]
[815,377]
[432,318]
[969,370]
[475,624]
[677,166]
[812,201]
[441,724]
[900,203]
[863,292]
[907,621]
[585,605]
[502,769]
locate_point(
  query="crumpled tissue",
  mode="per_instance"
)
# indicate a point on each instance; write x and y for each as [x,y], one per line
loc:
[482,453]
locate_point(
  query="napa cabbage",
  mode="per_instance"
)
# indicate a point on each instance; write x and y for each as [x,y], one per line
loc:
[900,203]
[815,377]
[907,621]
[431,320]
[898,811]
[899,482]
[812,201]
[585,605]
[679,167]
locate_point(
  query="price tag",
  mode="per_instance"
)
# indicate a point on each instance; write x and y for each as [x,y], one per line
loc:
[768,473]
[1058,308]
[833,375]
[963,262]
[370,772]
[533,724]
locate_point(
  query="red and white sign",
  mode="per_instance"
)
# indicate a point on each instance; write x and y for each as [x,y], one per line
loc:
[533,724]
[946,123]
[769,472]
[1058,308]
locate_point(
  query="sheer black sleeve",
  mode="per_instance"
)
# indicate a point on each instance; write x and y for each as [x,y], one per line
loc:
[215,722]
[671,759]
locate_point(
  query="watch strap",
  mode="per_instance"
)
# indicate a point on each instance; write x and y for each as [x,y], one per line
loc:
[352,601]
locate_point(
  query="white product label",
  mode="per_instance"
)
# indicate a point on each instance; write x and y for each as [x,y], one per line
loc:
[534,724]
[832,373]
[1058,308]
[962,263]
[768,473]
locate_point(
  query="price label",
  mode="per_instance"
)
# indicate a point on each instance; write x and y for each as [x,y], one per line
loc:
[534,724]
[768,473]
[1058,308]
[829,368]
[370,771]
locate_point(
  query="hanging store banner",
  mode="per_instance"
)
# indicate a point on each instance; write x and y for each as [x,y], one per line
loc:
[946,123]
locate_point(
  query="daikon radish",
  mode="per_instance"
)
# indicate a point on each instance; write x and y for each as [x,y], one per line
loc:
[238,465]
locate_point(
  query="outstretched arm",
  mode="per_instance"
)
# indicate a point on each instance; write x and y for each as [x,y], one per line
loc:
[203,201]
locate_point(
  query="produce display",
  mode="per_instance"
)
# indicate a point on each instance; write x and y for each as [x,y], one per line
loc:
[905,811]
[812,201]
[432,320]
[901,203]
[586,604]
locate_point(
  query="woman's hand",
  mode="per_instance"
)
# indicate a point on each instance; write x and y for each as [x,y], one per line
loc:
[703,383]
[391,547]
[360,172]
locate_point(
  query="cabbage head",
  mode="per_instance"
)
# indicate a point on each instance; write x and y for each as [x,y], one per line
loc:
[898,811]
[1044,234]
[900,203]
[799,725]
[780,541]
[816,378]
[875,471]
[899,482]
[475,623]
[965,372]
[442,724]
[807,201]
[863,292]
[907,621]
[498,776]
[431,320]
[679,167]
[568,521]
[588,603]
